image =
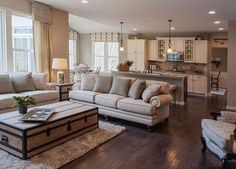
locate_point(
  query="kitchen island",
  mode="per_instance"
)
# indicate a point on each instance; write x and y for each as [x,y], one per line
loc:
[180,81]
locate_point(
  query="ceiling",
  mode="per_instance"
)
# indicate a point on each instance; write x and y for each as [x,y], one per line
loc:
[148,16]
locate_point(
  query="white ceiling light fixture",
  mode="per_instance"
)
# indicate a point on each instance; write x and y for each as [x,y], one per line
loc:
[121,37]
[217,22]
[212,12]
[134,29]
[169,50]
[220,29]
[84,1]
[172,28]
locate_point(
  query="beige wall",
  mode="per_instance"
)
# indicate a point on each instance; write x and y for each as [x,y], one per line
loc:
[18,5]
[231,98]
[60,39]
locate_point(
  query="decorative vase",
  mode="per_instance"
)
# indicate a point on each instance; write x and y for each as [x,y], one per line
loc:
[22,109]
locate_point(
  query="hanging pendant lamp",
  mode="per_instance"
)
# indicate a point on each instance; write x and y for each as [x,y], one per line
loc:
[169,50]
[121,37]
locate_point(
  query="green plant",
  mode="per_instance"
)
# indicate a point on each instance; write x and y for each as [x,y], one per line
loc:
[26,101]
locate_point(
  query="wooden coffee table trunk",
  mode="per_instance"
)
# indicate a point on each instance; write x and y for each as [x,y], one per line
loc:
[25,140]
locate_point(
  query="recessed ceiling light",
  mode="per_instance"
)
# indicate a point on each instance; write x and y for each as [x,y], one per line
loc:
[212,12]
[217,22]
[221,29]
[172,28]
[134,29]
[84,1]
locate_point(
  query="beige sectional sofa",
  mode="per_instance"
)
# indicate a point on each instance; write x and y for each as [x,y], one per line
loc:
[24,84]
[122,106]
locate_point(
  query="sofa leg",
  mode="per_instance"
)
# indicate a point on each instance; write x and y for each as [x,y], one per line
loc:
[224,163]
[149,128]
[106,117]
[203,144]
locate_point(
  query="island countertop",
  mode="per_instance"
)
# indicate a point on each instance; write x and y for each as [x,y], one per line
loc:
[179,80]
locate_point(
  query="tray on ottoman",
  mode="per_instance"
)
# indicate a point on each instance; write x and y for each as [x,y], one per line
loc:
[24,140]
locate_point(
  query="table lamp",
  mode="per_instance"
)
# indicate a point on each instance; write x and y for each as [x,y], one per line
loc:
[60,64]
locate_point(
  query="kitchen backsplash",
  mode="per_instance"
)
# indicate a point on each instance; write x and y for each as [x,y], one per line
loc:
[188,67]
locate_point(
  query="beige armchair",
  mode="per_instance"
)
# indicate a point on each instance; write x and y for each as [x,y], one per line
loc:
[217,136]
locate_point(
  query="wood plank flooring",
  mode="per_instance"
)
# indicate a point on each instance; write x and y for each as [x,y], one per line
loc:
[172,145]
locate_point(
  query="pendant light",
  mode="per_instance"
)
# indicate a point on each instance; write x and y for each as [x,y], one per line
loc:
[121,37]
[169,50]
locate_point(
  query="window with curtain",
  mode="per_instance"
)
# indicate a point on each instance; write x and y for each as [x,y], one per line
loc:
[105,49]
[2,41]
[72,49]
[22,44]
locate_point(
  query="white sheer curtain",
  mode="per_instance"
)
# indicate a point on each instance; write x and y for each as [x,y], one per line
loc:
[42,36]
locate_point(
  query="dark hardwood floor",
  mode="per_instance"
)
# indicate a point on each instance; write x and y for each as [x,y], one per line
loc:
[172,145]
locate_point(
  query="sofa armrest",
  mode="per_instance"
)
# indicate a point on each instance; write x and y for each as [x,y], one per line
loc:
[161,100]
[227,116]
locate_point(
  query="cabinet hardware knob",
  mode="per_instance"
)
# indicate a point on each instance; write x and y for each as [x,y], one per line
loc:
[69,126]
[48,131]
[4,139]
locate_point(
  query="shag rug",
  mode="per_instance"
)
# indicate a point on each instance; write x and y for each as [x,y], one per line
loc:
[64,153]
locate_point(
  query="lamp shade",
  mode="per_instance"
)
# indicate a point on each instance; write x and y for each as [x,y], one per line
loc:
[60,64]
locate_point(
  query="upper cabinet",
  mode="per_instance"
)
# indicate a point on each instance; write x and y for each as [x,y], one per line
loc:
[162,46]
[189,50]
[137,52]
[152,50]
[178,44]
[201,51]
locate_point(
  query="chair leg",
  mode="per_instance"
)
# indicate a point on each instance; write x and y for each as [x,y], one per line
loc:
[203,145]
[224,163]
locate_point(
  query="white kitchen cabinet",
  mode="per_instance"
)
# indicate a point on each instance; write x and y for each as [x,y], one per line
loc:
[152,50]
[178,44]
[162,46]
[137,52]
[197,84]
[190,83]
[189,44]
[201,51]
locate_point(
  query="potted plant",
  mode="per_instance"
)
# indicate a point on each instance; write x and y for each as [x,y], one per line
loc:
[23,102]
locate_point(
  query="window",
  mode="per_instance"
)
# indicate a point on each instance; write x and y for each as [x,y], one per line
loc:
[22,43]
[73,35]
[2,41]
[106,55]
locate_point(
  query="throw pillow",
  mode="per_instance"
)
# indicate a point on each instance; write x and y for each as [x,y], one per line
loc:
[137,88]
[165,86]
[120,86]
[5,84]
[103,84]
[88,82]
[150,91]
[40,80]
[22,82]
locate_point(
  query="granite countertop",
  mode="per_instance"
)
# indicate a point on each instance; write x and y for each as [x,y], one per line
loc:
[156,74]
[178,73]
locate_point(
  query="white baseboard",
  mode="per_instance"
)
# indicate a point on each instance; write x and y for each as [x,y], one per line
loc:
[230,107]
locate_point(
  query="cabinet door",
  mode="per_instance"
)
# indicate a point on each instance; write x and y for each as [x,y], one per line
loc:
[199,84]
[178,44]
[190,83]
[189,49]
[132,53]
[140,54]
[201,51]
[162,44]
[152,50]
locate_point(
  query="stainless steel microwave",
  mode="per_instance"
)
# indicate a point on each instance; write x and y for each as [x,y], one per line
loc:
[175,56]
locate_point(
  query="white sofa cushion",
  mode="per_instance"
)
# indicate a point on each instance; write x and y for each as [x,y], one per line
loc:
[137,106]
[22,81]
[218,132]
[40,80]
[103,84]
[150,91]
[5,84]
[42,95]
[83,95]
[120,86]
[165,86]
[109,100]
[137,89]
[88,82]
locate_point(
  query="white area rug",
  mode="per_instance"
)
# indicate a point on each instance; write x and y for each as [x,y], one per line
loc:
[64,153]
[220,92]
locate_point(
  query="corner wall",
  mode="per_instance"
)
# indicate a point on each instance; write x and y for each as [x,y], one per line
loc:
[231,98]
